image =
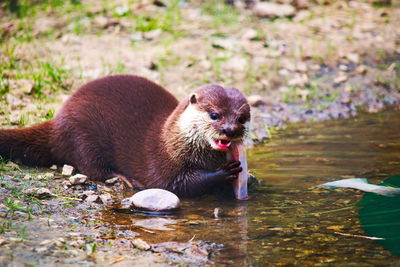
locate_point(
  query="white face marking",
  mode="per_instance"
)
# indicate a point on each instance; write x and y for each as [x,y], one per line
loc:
[195,126]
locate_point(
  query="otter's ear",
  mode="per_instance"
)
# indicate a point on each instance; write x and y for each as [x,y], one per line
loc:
[193,99]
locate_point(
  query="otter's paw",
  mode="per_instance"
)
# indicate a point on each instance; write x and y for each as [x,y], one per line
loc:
[230,170]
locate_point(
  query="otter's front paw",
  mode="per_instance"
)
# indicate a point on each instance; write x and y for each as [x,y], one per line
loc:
[230,170]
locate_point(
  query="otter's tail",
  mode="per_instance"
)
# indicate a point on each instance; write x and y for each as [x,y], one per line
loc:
[29,146]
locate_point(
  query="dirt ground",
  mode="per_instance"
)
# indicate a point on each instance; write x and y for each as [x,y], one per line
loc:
[326,60]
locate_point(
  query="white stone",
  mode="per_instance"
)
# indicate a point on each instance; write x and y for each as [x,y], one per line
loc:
[140,244]
[256,100]
[112,180]
[67,170]
[106,199]
[155,199]
[92,198]
[78,179]
[53,167]
[272,10]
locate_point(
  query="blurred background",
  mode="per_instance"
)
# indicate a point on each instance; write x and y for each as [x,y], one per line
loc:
[295,59]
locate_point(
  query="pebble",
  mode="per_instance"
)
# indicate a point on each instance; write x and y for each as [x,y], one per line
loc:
[140,244]
[255,100]
[106,199]
[152,34]
[12,165]
[78,179]
[249,34]
[218,213]
[340,78]
[66,184]
[272,10]
[53,167]
[153,199]
[92,198]
[112,180]
[38,192]
[67,170]
[2,241]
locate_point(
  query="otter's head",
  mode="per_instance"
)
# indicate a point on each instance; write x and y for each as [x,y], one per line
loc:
[215,116]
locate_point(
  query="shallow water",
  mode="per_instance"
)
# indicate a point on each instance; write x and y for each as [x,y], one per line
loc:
[287,221]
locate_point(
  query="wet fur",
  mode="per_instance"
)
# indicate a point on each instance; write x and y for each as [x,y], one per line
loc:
[131,127]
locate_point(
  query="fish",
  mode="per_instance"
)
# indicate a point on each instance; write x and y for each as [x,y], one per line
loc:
[238,152]
[363,185]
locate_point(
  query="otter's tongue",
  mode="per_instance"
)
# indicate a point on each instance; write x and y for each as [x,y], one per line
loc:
[222,144]
[238,152]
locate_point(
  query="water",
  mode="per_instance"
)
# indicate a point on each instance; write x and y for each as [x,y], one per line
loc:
[287,221]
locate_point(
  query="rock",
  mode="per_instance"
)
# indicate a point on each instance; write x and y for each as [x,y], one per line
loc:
[249,34]
[227,44]
[12,165]
[43,193]
[299,80]
[25,86]
[362,69]
[152,34]
[136,36]
[218,213]
[67,170]
[340,78]
[106,199]
[86,194]
[272,10]
[92,198]
[140,244]
[112,180]
[155,199]
[78,179]
[105,22]
[38,192]
[126,203]
[353,57]
[47,175]
[127,234]
[53,167]
[301,67]
[255,100]
[66,184]
[2,241]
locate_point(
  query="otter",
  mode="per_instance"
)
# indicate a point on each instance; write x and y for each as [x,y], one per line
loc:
[132,128]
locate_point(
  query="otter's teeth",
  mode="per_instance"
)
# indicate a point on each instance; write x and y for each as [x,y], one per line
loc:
[222,144]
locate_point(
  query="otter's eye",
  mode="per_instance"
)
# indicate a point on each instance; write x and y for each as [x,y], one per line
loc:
[214,116]
[242,120]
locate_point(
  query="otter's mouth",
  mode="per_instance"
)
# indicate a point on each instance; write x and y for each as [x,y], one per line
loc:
[222,144]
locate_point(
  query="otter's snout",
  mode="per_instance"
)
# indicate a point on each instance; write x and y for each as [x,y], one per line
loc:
[232,132]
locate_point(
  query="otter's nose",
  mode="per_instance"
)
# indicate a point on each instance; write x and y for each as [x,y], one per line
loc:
[229,132]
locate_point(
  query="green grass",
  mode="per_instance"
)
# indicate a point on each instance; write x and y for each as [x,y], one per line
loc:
[167,21]
[221,13]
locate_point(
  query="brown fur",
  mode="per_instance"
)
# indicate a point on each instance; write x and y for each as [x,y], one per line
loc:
[128,126]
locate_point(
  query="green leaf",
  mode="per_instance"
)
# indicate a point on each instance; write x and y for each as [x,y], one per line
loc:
[380,216]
